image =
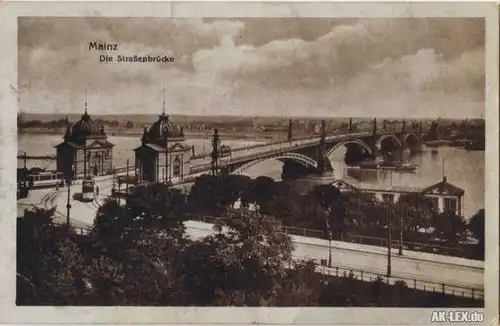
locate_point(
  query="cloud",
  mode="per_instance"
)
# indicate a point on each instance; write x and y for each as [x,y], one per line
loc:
[259,66]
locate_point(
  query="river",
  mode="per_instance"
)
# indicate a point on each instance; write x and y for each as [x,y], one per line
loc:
[464,169]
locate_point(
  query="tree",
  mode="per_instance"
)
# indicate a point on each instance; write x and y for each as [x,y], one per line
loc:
[158,207]
[417,211]
[302,286]
[136,246]
[477,227]
[263,190]
[49,261]
[450,227]
[242,264]
[214,194]
[330,198]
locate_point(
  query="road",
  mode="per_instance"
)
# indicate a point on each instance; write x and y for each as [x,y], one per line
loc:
[369,260]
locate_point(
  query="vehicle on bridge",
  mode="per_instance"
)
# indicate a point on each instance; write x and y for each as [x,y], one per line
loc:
[225,150]
[45,179]
[88,189]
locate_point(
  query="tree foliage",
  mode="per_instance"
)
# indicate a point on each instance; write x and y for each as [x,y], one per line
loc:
[49,262]
[139,253]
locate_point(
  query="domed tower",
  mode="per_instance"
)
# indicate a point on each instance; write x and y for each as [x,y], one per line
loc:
[165,130]
[163,155]
[85,150]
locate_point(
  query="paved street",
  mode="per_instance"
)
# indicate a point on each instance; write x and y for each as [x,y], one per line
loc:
[365,259]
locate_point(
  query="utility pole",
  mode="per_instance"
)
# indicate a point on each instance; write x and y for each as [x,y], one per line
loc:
[389,243]
[328,232]
[126,184]
[400,252]
[215,152]
[68,205]
[290,135]
[113,189]
[25,170]
[68,180]
[321,149]
[84,159]
[329,248]
[166,174]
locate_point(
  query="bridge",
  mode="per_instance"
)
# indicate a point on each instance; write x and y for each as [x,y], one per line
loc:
[311,152]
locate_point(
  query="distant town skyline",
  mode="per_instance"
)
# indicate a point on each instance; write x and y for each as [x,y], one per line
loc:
[412,68]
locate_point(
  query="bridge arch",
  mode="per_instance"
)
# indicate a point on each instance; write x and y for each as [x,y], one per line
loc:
[411,139]
[391,137]
[299,158]
[347,142]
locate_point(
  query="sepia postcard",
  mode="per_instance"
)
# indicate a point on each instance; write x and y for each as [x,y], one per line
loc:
[249,163]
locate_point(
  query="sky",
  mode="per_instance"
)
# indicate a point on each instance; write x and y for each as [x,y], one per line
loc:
[397,67]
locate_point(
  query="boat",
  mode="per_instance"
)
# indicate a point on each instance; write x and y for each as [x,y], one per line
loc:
[409,167]
[475,145]
[384,166]
[405,167]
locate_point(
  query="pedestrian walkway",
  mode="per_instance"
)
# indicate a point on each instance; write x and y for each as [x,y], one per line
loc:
[421,256]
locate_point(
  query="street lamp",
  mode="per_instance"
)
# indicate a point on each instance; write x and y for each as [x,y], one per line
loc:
[389,244]
[330,249]
[400,252]
[68,180]
[113,188]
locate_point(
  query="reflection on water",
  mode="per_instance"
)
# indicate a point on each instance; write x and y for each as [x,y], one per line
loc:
[464,169]
[38,145]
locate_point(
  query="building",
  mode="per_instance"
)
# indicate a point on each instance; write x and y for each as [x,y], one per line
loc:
[163,154]
[85,150]
[445,196]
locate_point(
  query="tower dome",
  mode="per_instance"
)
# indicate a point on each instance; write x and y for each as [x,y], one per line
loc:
[164,128]
[85,128]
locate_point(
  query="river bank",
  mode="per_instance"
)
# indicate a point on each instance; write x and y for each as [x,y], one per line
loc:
[205,134]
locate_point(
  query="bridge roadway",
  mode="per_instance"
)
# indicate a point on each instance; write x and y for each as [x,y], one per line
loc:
[204,164]
[429,270]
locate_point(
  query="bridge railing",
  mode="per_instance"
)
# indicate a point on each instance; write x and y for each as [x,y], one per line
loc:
[281,141]
[413,283]
[355,238]
[359,274]
[407,245]
[367,276]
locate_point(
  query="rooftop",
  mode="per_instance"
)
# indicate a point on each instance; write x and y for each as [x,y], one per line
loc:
[442,187]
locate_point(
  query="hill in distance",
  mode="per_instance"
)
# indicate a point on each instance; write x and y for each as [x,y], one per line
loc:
[186,119]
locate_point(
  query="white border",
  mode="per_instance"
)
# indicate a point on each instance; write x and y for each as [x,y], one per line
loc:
[9,313]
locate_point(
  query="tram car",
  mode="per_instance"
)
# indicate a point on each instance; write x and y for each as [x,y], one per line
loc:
[88,189]
[45,179]
[225,151]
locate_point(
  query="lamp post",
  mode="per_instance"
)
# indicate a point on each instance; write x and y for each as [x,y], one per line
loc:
[113,188]
[389,243]
[400,252]
[25,170]
[126,191]
[119,186]
[68,204]
[330,249]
